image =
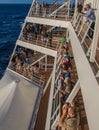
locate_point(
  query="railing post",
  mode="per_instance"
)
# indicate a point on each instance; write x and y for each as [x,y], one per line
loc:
[89,50]
[95,38]
[73,92]
[75,13]
[46,62]
[47,125]
[68,7]
[86,32]
[97,75]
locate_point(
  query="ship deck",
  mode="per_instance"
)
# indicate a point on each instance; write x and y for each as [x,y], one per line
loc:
[28,92]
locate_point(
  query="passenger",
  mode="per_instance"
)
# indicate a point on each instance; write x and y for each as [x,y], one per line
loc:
[64,94]
[28,28]
[27,62]
[42,6]
[73,105]
[24,71]
[68,119]
[33,9]
[24,36]
[35,31]
[64,114]
[79,7]
[45,40]
[65,61]
[49,33]
[71,121]
[66,74]
[40,30]
[90,16]
[37,9]
[63,51]
[66,46]
[14,58]
[18,67]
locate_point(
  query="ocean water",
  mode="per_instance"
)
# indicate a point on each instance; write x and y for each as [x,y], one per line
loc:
[11,18]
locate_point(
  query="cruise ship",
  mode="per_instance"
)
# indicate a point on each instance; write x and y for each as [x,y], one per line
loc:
[55,63]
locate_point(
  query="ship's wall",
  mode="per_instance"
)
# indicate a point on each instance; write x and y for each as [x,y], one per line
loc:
[5,80]
[19,102]
[7,89]
[6,95]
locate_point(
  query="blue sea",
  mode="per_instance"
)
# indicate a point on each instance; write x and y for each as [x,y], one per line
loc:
[11,18]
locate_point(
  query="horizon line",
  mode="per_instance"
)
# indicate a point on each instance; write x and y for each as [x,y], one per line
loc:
[16,3]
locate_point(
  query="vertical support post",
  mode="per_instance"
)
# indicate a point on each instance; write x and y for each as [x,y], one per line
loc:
[39,64]
[48,118]
[97,75]
[73,92]
[85,32]
[95,38]
[67,35]
[68,7]
[45,62]
[75,13]
[89,50]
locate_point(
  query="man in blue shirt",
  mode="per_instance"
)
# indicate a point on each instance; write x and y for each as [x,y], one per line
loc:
[90,17]
[89,13]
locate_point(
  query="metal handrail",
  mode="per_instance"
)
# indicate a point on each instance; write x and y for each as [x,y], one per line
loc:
[55,113]
[83,41]
[35,77]
[46,14]
[37,58]
[39,42]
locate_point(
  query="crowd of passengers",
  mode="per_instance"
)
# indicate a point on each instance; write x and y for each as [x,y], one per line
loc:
[21,63]
[35,31]
[69,118]
[40,8]
[44,35]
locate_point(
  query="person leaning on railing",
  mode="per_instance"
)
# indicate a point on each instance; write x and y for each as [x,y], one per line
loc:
[68,119]
[90,15]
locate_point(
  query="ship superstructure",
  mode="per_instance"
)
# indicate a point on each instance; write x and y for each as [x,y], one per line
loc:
[30,88]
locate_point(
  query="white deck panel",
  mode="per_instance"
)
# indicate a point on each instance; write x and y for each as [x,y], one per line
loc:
[22,106]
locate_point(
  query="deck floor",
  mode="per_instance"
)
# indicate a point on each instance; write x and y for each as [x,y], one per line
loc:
[42,113]
[83,119]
